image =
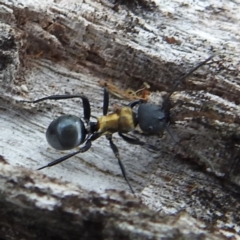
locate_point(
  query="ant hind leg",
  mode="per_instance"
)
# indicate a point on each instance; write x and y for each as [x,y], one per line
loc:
[86,104]
[86,147]
[105,101]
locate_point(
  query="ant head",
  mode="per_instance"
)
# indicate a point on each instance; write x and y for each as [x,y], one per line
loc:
[153,118]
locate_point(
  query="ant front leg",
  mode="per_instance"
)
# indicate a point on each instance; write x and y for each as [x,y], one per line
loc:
[86,104]
[116,153]
[136,141]
[134,103]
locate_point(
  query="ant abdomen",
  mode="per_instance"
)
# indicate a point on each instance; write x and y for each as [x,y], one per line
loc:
[66,132]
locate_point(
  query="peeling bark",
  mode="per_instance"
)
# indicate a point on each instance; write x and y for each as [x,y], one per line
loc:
[46,208]
[68,47]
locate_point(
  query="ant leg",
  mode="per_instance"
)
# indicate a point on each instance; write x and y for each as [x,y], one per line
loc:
[137,141]
[116,153]
[105,101]
[85,148]
[59,160]
[117,3]
[86,104]
[134,103]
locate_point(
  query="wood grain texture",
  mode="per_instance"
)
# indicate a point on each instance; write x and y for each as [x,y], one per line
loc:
[66,47]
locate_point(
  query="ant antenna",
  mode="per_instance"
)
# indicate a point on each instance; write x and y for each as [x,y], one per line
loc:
[178,81]
[173,90]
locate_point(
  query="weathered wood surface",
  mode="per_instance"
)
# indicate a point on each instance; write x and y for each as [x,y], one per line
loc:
[37,207]
[62,47]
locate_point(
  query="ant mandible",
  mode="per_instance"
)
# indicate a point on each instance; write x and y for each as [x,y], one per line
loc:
[69,131]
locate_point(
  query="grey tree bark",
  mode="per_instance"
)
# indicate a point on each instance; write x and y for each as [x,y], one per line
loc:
[68,47]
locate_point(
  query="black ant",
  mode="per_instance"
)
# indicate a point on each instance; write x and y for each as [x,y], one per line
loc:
[69,131]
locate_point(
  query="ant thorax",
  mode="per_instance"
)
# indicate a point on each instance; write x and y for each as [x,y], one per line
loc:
[121,120]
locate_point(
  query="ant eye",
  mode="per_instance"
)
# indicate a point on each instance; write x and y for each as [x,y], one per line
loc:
[161,117]
[150,128]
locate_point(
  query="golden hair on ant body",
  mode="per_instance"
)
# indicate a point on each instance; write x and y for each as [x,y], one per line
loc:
[69,131]
[122,120]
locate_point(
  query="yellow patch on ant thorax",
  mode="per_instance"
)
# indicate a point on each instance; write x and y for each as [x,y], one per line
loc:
[126,121]
[119,121]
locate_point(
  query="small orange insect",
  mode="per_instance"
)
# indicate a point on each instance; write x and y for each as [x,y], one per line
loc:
[128,94]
